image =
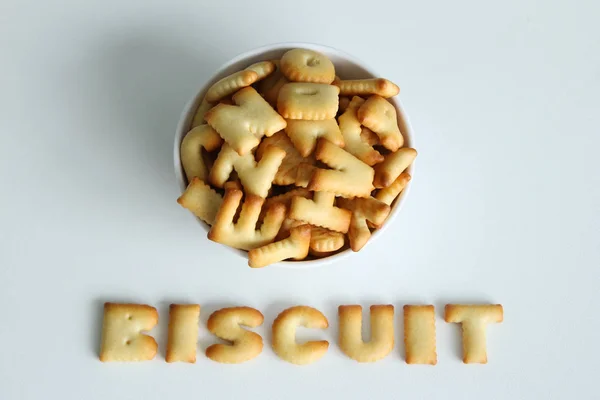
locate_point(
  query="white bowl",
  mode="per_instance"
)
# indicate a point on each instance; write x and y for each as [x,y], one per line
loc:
[346,67]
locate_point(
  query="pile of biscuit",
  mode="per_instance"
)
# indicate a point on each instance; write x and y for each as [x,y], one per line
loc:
[285,159]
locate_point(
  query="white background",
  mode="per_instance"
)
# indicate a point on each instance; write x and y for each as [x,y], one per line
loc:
[504,207]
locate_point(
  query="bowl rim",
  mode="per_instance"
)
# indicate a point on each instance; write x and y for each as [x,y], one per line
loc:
[190,109]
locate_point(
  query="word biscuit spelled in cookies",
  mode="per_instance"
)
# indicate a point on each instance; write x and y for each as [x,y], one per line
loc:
[226,324]
[382,332]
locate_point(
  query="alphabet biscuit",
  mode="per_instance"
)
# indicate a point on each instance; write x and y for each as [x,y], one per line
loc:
[321,211]
[382,332]
[200,137]
[379,115]
[284,335]
[351,132]
[366,87]
[183,333]
[309,101]
[122,339]
[201,200]
[392,166]
[304,134]
[225,324]
[303,65]
[243,125]
[419,334]
[295,247]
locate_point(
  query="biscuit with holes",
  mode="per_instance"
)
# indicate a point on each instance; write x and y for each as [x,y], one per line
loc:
[200,138]
[226,324]
[367,87]
[321,211]
[183,333]
[256,177]
[351,132]
[201,200]
[350,177]
[363,210]
[382,332]
[243,234]
[390,193]
[304,134]
[295,247]
[309,101]
[303,65]
[200,112]
[284,335]
[286,174]
[474,319]
[392,166]
[243,125]
[379,115]
[419,334]
[122,339]
[230,84]
[324,240]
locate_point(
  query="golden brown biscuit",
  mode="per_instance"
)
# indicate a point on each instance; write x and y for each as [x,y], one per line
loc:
[321,211]
[183,333]
[284,335]
[344,102]
[351,132]
[286,198]
[200,112]
[379,115]
[382,332]
[390,193]
[256,177]
[225,324]
[201,200]
[295,247]
[324,240]
[243,234]
[368,136]
[230,84]
[419,334]
[262,68]
[201,137]
[474,319]
[366,87]
[304,134]
[350,176]
[242,126]
[303,65]
[286,174]
[308,101]
[122,339]
[363,210]
[393,165]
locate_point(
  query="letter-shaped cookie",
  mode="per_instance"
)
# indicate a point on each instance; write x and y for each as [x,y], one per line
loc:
[350,176]
[390,193]
[365,87]
[286,174]
[225,324]
[201,200]
[256,177]
[242,126]
[323,240]
[295,246]
[419,334]
[321,211]
[201,137]
[382,332]
[183,333]
[393,165]
[379,115]
[474,319]
[122,339]
[303,65]
[363,210]
[200,113]
[304,134]
[309,101]
[351,131]
[243,234]
[284,335]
